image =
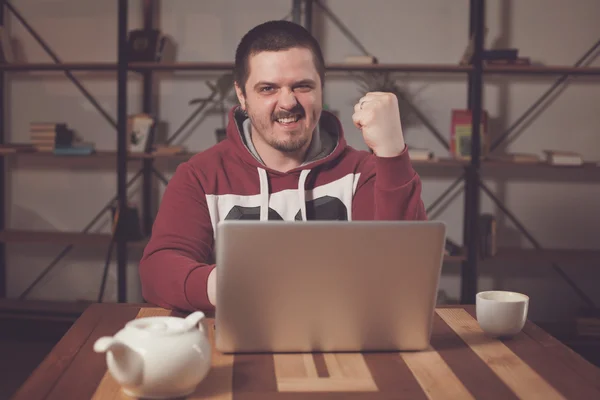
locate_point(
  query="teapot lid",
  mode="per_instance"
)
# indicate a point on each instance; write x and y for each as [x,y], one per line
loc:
[160,326]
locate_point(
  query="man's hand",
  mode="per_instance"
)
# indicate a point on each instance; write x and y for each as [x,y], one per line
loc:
[376,114]
[211,289]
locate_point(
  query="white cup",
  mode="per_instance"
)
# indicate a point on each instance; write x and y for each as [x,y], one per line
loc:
[501,313]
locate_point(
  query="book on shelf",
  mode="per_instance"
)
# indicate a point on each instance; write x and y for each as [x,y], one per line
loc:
[360,60]
[520,158]
[417,154]
[162,149]
[518,61]
[46,136]
[76,149]
[461,134]
[452,248]
[11,148]
[563,157]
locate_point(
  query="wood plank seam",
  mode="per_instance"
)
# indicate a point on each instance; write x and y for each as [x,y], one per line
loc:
[435,376]
[514,372]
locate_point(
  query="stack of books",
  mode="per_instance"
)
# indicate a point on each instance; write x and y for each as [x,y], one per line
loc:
[47,136]
[57,138]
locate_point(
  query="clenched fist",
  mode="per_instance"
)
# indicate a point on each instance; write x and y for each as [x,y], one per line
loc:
[376,114]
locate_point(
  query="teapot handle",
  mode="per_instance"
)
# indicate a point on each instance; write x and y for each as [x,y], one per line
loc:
[194,319]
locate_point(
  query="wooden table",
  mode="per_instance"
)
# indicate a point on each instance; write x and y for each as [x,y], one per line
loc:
[461,364]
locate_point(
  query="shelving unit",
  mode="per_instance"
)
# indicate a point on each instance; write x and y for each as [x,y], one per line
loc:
[470,172]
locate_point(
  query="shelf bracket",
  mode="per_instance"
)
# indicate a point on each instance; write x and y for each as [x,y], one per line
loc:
[55,58]
[542,98]
[68,248]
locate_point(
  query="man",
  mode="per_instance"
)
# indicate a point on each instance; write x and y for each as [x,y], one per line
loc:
[284,158]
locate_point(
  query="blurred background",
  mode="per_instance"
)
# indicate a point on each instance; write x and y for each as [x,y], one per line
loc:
[535,215]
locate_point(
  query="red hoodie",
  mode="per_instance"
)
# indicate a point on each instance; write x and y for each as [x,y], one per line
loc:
[228,181]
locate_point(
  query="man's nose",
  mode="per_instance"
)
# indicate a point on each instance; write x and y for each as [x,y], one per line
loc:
[287,99]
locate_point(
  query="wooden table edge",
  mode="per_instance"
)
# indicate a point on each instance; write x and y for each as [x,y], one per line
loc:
[559,350]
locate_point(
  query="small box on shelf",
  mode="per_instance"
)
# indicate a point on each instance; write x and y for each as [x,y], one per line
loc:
[461,133]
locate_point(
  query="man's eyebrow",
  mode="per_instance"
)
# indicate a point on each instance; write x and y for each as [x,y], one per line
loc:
[301,82]
[264,83]
[306,82]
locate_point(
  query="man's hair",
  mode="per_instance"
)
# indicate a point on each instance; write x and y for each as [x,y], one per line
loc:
[274,36]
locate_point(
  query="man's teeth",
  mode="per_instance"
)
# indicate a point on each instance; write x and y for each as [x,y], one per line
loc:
[288,120]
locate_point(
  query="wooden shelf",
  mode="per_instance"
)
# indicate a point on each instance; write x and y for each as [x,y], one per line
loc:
[560,256]
[455,258]
[588,169]
[540,70]
[78,66]
[227,66]
[58,237]
[339,67]
[587,166]
[98,158]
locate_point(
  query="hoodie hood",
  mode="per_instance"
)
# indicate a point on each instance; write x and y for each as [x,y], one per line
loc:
[327,144]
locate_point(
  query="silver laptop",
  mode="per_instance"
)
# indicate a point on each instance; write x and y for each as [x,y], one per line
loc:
[326,285]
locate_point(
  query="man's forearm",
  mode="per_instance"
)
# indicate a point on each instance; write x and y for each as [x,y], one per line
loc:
[174,281]
[393,192]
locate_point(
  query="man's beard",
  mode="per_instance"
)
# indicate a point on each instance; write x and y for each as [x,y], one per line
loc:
[292,144]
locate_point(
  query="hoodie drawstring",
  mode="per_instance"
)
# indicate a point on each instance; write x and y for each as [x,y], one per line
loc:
[264,193]
[301,192]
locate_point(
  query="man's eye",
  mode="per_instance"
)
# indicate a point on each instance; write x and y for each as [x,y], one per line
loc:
[266,88]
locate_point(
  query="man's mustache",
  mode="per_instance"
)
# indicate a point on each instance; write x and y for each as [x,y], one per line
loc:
[297,110]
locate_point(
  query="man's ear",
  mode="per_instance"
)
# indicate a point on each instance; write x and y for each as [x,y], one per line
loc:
[240,96]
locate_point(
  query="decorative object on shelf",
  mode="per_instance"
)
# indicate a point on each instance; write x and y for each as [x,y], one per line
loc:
[452,249]
[384,82]
[487,236]
[563,157]
[150,45]
[167,49]
[460,134]
[142,45]
[141,130]
[221,98]
[126,224]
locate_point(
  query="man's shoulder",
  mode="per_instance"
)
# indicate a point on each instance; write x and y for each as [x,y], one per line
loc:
[218,151]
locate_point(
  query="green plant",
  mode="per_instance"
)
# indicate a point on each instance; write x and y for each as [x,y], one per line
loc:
[384,82]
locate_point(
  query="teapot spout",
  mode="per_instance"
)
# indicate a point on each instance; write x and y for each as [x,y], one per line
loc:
[194,318]
[124,363]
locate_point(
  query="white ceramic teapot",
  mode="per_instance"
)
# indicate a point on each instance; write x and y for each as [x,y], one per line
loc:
[158,357]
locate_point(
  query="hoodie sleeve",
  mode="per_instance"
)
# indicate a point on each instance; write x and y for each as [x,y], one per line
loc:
[388,189]
[176,262]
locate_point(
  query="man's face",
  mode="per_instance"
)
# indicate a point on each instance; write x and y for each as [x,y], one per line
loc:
[283,98]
